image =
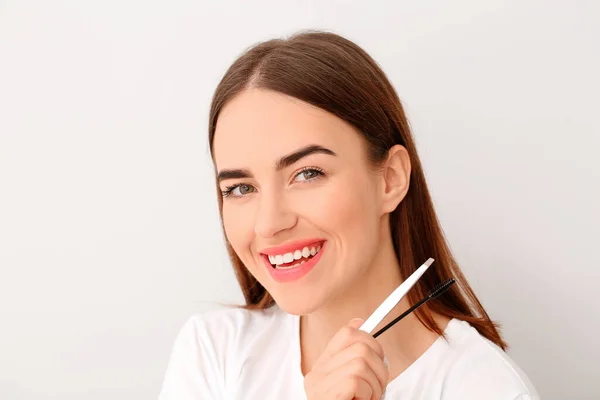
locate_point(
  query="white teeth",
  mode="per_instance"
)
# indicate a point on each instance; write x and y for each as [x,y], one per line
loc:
[305,252]
[288,267]
[288,257]
[291,266]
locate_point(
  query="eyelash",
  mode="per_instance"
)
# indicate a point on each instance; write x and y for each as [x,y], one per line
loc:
[320,173]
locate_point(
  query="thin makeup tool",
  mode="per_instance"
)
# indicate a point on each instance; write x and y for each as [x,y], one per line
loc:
[394,298]
[435,292]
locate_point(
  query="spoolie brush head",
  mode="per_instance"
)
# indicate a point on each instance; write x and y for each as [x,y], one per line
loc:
[435,292]
[440,288]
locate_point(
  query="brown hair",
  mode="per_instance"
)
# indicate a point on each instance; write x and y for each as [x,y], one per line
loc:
[333,73]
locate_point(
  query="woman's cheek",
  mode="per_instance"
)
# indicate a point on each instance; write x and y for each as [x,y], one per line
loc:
[336,207]
[238,228]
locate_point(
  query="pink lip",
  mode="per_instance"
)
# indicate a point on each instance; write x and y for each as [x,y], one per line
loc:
[291,247]
[292,274]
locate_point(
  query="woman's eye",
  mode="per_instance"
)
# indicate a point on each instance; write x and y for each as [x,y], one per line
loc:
[238,190]
[308,174]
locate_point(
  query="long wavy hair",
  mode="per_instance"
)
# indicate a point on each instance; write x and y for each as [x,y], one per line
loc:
[336,75]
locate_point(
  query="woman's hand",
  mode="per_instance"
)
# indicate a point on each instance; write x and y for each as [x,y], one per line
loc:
[350,368]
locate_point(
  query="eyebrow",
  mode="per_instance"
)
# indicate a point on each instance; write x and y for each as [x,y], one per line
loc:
[282,163]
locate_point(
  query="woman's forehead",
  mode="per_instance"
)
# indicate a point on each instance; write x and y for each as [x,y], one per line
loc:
[259,125]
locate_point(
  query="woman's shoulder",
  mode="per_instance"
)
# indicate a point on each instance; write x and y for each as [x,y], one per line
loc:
[226,327]
[212,348]
[234,318]
[481,369]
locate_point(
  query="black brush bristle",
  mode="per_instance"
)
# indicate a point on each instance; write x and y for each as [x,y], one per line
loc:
[440,288]
[435,292]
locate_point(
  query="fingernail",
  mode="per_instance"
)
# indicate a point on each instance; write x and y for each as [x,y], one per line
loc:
[356,322]
[386,362]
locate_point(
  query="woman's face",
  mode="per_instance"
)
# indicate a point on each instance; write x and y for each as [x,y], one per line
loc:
[301,206]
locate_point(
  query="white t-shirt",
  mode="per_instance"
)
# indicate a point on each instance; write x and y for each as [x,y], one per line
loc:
[231,354]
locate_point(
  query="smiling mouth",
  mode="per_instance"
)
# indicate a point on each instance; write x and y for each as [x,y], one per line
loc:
[293,259]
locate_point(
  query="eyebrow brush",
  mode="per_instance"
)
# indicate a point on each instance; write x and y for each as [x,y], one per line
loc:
[435,292]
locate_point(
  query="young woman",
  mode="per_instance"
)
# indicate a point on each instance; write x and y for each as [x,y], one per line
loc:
[326,211]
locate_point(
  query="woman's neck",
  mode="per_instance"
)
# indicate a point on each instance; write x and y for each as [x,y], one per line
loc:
[402,344]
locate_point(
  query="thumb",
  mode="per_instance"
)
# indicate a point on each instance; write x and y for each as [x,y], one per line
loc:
[356,323]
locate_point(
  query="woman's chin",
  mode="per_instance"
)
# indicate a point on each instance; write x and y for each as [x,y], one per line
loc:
[296,306]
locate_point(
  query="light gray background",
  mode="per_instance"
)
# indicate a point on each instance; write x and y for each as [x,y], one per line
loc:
[109,232]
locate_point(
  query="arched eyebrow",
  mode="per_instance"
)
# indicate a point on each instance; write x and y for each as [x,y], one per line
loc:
[282,163]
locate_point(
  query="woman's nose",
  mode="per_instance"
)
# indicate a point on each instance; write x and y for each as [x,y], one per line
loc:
[273,216]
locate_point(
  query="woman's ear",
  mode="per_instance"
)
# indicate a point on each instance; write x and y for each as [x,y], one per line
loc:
[396,178]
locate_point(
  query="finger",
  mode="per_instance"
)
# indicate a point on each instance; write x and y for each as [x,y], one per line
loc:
[348,335]
[356,323]
[350,373]
[351,389]
[360,350]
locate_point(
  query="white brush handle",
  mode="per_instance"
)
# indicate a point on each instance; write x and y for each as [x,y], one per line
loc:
[394,298]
